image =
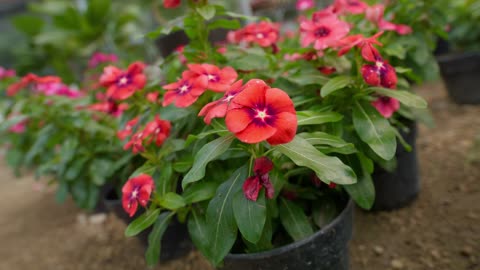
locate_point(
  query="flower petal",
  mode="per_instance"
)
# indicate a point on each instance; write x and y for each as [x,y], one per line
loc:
[238,119]
[253,94]
[279,101]
[254,133]
[251,188]
[286,124]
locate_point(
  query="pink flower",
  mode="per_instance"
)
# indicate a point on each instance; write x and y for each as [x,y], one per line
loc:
[19,127]
[123,84]
[99,58]
[304,4]
[253,184]
[350,6]
[56,89]
[219,80]
[179,50]
[375,14]
[386,106]
[137,190]
[265,34]
[6,73]
[219,107]
[325,32]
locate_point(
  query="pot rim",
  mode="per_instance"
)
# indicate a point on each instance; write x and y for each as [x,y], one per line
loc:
[296,244]
[445,58]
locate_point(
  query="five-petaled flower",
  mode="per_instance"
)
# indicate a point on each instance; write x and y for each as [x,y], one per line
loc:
[324,30]
[186,91]
[219,80]
[264,34]
[253,184]
[137,190]
[386,106]
[261,113]
[123,84]
[218,108]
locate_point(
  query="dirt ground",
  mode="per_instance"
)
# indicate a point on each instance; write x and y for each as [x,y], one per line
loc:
[440,230]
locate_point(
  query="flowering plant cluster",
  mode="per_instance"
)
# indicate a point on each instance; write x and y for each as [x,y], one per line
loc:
[254,139]
[254,142]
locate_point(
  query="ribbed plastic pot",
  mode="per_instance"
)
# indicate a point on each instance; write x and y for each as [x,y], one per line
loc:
[461,74]
[175,242]
[327,249]
[397,189]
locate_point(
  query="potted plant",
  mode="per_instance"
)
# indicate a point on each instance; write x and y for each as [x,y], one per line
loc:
[461,65]
[267,136]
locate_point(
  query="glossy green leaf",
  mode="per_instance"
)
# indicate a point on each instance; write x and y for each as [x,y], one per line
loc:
[199,192]
[163,179]
[404,97]
[316,118]
[374,130]
[335,84]
[142,222]
[328,169]
[197,228]
[322,138]
[250,215]
[222,229]
[362,192]
[294,220]
[224,24]
[207,153]
[172,201]
[152,254]
[207,12]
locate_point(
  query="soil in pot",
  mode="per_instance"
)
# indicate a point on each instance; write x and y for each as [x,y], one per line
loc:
[399,188]
[175,242]
[461,73]
[327,249]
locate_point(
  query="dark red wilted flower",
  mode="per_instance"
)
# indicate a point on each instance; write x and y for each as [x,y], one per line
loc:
[137,190]
[386,106]
[123,84]
[218,108]
[219,80]
[327,70]
[253,184]
[324,31]
[261,113]
[380,74]
[186,91]
[127,131]
[171,3]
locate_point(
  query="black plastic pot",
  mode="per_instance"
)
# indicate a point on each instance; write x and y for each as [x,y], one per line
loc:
[461,73]
[175,242]
[327,249]
[399,188]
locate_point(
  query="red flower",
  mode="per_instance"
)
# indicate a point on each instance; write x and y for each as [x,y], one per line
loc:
[179,50]
[265,34]
[123,84]
[152,97]
[136,190]
[380,74]
[28,79]
[157,130]
[109,107]
[324,32]
[219,80]
[218,108]
[375,14]
[386,106]
[350,6]
[186,91]
[327,70]
[262,113]
[361,42]
[124,133]
[253,184]
[171,3]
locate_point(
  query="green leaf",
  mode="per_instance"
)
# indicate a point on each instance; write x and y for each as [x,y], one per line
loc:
[328,169]
[163,179]
[315,118]
[172,201]
[322,138]
[207,153]
[362,192]
[324,211]
[30,25]
[207,12]
[97,11]
[142,222]
[335,84]
[222,229]
[307,78]
[294,220]
[374,130]
[40,144]
[147,168]
[199,192]
[250,215]
[152,254]
[249,62]
[197,228]
[100,170]
[404,97]
[224,24]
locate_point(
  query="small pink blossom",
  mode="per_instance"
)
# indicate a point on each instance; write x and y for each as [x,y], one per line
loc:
[386,106]
[6,73]
[99,58]
[304,4]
